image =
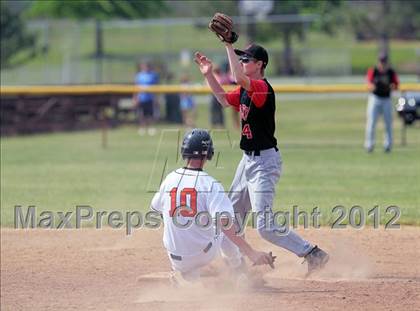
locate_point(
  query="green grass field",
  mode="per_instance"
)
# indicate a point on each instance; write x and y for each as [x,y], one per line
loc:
[321,143]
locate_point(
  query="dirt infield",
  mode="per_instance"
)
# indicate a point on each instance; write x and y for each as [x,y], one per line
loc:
[103,269]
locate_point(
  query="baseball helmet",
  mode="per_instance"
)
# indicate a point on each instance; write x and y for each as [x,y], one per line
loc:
[197,144]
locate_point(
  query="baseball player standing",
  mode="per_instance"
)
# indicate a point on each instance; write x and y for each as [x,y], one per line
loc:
[190,202]
[259,170]
[382,79]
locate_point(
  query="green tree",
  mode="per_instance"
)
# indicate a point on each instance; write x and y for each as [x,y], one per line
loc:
[383,20]
[14,38]
[202,8]
[99,10]
[327,10]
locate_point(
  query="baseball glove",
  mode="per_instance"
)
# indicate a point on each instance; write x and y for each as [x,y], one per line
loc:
[222,26]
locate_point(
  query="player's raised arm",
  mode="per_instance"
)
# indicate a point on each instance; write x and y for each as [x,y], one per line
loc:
[206,67]
[236,68]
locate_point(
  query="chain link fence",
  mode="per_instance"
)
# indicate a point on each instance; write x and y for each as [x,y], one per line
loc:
[65,52]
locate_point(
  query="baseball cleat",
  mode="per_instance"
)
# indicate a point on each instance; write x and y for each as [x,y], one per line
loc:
[316,259]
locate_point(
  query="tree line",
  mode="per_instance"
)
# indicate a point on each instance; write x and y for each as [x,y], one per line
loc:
[366,20]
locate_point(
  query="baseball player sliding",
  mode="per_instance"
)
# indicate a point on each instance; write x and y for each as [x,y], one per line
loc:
[259,170]
[185,196]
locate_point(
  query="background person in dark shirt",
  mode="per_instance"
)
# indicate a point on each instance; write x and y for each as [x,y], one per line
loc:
[172,101]
[381,79]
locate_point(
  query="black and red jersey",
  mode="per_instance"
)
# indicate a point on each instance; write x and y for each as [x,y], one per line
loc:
[382,81]
[257,109]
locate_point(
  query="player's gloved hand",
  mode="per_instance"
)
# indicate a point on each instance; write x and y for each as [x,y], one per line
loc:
[222,26]
[262,258]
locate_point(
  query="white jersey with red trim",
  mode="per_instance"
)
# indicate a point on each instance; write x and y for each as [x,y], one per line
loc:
[192,197]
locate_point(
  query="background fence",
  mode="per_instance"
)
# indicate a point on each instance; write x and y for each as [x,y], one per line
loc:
[65,52]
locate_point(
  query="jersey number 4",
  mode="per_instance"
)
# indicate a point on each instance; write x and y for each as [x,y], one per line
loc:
[247,131]
[185,211]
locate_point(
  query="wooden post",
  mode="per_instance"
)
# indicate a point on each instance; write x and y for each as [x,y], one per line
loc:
[104,130]
[403,134]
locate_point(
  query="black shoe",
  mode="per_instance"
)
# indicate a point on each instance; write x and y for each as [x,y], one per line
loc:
[369,150]
[316,259]
[387,150]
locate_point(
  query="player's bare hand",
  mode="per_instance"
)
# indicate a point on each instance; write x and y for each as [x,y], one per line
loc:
[262,258]
[203,63]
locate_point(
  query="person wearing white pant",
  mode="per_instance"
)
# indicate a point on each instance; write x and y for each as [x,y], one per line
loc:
[190,266]
[193,205]
[253,190]
[381,80]
[378,106]
[253,187]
